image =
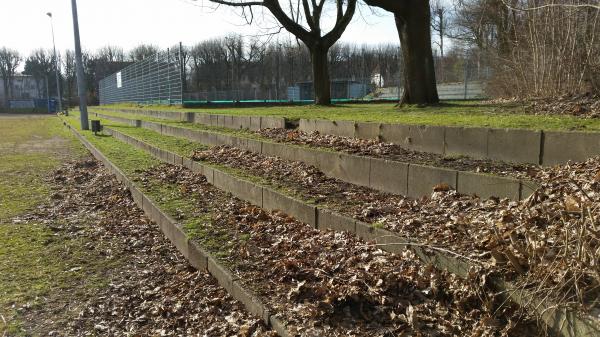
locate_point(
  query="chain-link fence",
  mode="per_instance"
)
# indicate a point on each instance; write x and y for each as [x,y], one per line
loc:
[154,80]
[185,75]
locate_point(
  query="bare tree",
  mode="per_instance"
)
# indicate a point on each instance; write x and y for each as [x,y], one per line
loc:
[9,61]
[536,49]
[413,23]
[39,64]
[439,22]
[142,51]
[111,54]
[69,69]
[310,32]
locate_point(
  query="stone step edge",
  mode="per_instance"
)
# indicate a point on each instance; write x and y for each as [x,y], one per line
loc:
[535,146]
[566,322]
[196,255]
[254,123]
[352,166]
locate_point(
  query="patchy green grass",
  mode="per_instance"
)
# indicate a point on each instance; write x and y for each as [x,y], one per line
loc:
[185,147]
[44,271]
[35,262]
[185,125]
[30,148]
[125,156]
[21,182]
[459,113]
[189,208]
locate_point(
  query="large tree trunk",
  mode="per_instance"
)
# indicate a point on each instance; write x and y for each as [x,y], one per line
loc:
[321,83]
[415,40]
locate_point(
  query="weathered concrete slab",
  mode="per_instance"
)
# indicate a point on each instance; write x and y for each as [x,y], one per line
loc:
[223,276]
[255,123]
[368,130]
[242,189]
[486,186]
[527,189]
[391,242]
[334,221]
[152,126]
[187,163]
[307,125]
[251,302]
[339,128]
[179,239]
[272,123]
[415,137]
[198,258]
[466,142]
[137,196]
[422,179]
[170,130]
[273,200]
[366,231]
[178,160]
[201,118]
[281,328]
[560,147]
[286,152]
[353,169]
[222,139]
[221,121]
[389,176]
[514,145]
[209,173]
[187,117]
[214,120]
[304,154]
[254,145]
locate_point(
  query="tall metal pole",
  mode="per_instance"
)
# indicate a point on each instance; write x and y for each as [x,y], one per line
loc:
[466,73]
[81,89]
[56,64]
[47,94]
[278,71]
[182,75]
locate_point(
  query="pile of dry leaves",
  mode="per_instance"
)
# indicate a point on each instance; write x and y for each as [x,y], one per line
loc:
[332,284]
[378,149]
[550,241]
[153,290]
[583,106]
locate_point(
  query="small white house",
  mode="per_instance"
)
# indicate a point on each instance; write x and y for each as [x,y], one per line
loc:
[23,87]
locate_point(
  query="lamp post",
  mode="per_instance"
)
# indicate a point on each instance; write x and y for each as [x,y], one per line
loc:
[81,89]
[55,64]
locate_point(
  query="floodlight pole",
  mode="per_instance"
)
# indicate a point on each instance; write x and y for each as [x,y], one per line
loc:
[56,64]
[81,89]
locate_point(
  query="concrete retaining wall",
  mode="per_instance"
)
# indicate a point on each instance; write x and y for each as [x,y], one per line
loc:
[564,321]
[196,256]
[510,145]
[225,121]
[411,180]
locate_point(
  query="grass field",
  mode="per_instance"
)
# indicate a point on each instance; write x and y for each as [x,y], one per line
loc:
[40,270]
[462,113]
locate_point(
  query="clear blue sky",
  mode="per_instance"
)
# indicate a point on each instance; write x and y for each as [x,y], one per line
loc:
[126,23]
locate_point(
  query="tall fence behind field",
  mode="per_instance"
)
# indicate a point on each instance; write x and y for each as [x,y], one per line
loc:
[155,80]
[171,77]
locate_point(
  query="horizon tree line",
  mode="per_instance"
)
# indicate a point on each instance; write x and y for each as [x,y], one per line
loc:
[524,50]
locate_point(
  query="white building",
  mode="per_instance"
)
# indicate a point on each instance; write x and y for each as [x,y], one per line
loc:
[23,87]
